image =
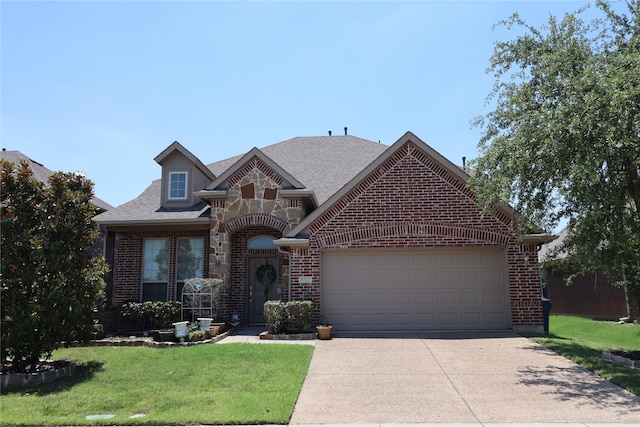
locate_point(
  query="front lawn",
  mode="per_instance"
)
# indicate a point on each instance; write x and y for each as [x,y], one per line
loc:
[206,384]
[584,340]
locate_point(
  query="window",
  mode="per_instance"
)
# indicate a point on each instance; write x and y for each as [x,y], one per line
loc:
[155,269]
[190,255]
[159,275]
[262,242]
[177,185]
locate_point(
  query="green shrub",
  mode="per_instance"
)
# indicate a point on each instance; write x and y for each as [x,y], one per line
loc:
[299,315]
[197,336]
[164,313]
[274,312]
[150,314]
[52,285]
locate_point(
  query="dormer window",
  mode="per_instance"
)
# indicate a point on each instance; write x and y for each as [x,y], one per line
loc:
[177,185]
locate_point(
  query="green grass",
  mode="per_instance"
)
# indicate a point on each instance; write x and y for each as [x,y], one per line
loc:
[206,384]
[584,340]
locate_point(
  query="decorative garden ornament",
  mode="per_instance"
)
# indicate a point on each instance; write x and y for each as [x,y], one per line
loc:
[181,330]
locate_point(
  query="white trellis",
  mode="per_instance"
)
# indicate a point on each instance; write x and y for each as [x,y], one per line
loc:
[199,298]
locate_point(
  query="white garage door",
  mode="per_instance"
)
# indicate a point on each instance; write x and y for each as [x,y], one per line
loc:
[369,290]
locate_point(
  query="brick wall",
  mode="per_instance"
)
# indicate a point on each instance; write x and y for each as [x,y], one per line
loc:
[411,201]
[590,295]
[127,269]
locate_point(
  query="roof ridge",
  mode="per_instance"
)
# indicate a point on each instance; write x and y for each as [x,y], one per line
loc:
[238,156]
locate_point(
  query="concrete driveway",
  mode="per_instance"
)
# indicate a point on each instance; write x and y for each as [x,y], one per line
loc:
[453,378]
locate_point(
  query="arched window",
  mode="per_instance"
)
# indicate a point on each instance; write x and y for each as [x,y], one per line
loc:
[261,242]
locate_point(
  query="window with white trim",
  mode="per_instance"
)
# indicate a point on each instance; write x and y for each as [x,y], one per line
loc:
[155,269]
[177,185]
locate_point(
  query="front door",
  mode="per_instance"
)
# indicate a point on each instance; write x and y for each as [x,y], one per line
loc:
[263,286]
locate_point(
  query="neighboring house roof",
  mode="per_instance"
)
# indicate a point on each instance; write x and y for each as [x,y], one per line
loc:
[323,164]
[42,174]
[546,250]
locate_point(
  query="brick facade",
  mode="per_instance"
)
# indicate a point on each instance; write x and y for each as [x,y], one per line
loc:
[590,295]
[411,201]
[127,266]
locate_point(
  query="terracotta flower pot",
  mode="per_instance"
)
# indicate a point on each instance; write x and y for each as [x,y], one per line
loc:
[216,329]
[324,332]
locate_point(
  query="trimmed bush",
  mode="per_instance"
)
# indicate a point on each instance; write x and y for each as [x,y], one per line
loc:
[293,316]
[299,315]
[274,312]
[150,314]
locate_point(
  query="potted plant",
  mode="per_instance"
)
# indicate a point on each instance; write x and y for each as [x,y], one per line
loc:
[324,330]
[197,335]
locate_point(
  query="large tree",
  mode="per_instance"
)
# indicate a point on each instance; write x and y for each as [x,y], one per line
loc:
[50,283]
[563,142]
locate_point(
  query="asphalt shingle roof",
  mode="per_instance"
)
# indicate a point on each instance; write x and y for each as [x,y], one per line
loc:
[146,208]
[42,174]
[323,164]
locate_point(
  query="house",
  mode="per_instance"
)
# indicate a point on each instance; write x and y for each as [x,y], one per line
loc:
[590,295]
[379,237]
[42,174]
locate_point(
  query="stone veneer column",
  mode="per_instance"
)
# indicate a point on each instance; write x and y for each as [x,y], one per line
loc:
[219,244]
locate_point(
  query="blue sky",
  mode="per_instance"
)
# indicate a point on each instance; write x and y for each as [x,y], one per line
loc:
[103,87]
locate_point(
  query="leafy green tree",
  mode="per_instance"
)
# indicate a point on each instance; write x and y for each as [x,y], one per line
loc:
[563,142]
[51,285]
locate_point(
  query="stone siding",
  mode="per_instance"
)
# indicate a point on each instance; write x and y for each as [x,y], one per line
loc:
[253,199]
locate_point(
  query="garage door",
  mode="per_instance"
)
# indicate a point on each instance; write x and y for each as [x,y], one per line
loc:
[365,290]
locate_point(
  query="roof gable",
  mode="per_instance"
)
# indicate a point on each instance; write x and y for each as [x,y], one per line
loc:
[176,146]
[222,181]
[408,141]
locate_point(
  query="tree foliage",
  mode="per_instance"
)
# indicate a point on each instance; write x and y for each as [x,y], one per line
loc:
[563,142]
[51,285]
